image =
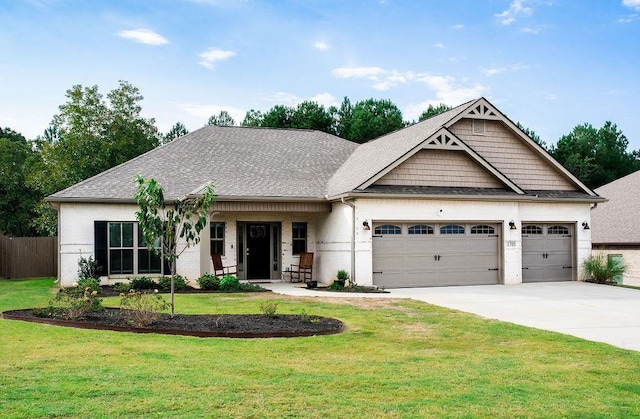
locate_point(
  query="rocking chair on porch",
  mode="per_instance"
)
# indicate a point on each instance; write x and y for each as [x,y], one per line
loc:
[218,267]
[304,269]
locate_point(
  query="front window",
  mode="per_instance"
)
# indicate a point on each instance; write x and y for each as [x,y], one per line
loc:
[299,239]
[128,253]
[217,238]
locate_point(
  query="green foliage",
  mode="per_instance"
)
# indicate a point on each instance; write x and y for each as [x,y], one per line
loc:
[342,274]
[17,206]
[180,283]
[93,283]
[88,136]
[72,303]
[253,118]
[209,282]
[269,308]
[173,224]
[142,283]
[177,130]
[88,268]
[229,283]
[433,111]
[596,156]
[122,287]
[335,286]
[142,307]
[222,119]
[373,118]
[602,269]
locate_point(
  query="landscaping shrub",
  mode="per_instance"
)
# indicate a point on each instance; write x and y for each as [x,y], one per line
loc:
[85,283]
[88,268]
[142,308]
[229,283]
[602,269]
[179,283]
[269,308]
[72,303]
[142,283]
[209,282]
[122,287]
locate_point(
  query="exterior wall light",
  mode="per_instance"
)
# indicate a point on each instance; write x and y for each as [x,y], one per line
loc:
[585,226]
[365,225]
[512,225]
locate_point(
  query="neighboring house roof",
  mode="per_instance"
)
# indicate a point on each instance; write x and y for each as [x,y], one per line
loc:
[441,156]
[617,221]
[241,162]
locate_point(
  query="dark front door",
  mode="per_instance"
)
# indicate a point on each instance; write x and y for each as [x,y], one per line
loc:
[258,251]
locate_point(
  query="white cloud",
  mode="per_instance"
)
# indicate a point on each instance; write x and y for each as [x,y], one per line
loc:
[357,72]
[213,55]
[458,26]
[516,9]
[629,18]
[323,46]
[325,99]
[497,70]
[438,45]
[447,90]
[144,36]
[634,4]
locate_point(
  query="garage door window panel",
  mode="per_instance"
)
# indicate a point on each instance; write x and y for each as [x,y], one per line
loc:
[420,229]
[452,229]
[482,229]
[558,230]
[388,229]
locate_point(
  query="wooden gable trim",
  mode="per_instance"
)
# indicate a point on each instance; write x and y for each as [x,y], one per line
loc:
[443,139]
[482,109]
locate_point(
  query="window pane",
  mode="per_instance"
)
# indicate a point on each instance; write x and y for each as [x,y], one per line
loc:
[452,229]
[127,261]
[421,229]
[299,246]
[127,234]
[482,229]
[115,238]
[155,263]
[115,262]
[299,238]
[143,261]
[557,230]
[531,230]
[388,229]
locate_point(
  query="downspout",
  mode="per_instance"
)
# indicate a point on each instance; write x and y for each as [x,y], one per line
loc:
[353,238]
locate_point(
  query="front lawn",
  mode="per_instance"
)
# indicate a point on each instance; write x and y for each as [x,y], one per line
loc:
[397,359]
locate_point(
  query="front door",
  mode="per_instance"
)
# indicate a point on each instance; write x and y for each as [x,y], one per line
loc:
[258,251]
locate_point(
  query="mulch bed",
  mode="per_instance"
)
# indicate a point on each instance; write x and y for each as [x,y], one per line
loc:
[201,325]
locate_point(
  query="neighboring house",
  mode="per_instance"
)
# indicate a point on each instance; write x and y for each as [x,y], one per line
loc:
[464,197]
[615,229]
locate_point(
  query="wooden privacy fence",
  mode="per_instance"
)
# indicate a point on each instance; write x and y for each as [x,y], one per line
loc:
[28,257]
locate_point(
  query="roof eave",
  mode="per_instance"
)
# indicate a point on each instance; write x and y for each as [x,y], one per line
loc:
[520,198]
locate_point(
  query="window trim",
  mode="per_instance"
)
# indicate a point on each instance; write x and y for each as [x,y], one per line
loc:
[104,249]
[298,226]
[212,226]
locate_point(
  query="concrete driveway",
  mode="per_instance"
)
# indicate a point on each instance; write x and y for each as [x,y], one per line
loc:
[594,312]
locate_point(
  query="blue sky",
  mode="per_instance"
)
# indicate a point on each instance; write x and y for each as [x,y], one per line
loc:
[550,64]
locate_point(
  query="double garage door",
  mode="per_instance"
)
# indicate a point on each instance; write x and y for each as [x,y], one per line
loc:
[430,254]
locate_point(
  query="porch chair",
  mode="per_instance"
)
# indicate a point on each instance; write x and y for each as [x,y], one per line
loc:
[218,267]
[303,271]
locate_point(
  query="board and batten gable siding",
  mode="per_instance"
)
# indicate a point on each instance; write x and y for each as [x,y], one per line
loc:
[509,154]
[440,168]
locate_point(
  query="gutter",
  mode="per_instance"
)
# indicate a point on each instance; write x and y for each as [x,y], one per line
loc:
[511,198]
[353,238]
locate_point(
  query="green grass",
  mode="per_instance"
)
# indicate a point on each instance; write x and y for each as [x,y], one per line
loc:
[397,359]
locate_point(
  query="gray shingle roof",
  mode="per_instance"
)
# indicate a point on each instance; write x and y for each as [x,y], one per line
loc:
[241,162]
[618,220]
[372,157]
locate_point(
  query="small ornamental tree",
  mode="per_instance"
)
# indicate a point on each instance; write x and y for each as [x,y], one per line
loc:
[177,226]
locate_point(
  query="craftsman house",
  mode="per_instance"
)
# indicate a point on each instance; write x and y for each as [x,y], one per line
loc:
[464,197]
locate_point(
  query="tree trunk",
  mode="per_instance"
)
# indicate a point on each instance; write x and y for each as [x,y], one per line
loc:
[173,274]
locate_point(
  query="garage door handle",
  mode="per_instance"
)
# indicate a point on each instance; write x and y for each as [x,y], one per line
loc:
[496,269]
[377,272]
[567,267]
[525,268]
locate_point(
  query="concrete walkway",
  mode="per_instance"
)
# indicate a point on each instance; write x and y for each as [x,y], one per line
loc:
[594,312]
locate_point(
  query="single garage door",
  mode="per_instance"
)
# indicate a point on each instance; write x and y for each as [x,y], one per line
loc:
[428,254]
[546,252]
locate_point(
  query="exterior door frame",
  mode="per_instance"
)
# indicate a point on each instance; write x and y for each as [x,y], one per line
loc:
[275,249]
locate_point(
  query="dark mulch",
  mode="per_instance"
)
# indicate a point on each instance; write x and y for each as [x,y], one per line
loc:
[202,325]
[110,291]
[359,288]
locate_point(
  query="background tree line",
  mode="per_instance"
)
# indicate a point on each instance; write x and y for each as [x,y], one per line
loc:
[91,134]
